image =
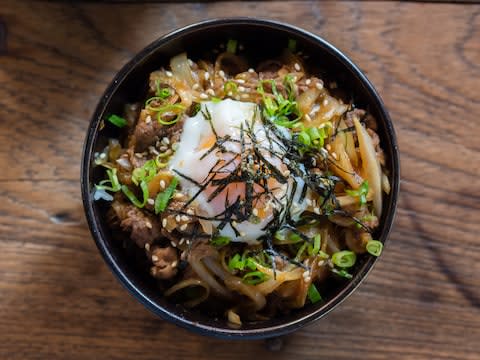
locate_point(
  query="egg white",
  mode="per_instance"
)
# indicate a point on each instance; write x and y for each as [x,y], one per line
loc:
[226,118]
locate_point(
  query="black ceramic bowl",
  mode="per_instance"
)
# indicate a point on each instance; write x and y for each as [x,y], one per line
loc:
[263,40]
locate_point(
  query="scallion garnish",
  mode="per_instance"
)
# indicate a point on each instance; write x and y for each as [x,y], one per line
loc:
[162,199]
[254,277]
[280,110]
[112,184]
[344,258]
[342,273]
[374,247]
[316,245]
[361,192]
[131,196]
[117,120]
[220,240]
[145,173]
[313,294]
[292,45]
[230,86]
[232,46]
[238,262]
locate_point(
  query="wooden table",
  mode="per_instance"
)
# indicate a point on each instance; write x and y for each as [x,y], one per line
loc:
[58,300]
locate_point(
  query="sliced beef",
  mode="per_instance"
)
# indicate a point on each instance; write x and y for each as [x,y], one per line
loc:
[143,228]
[165,261]
[147,133]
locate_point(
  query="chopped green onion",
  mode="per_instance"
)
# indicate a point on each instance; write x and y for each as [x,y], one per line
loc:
[131,196]
[117,121]
[374,247]
[344,258]
[230,86]
[254,277]
[145,173]
[300,251]
[304,138]
[162,199]
[215,99]
[361,192]
[238,262]
[232,46]
[112,180]
[342,273]
[220,241]
[292,45]
[316,244]
[313,294]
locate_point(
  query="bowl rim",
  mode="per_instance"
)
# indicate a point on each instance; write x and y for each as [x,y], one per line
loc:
[149,303]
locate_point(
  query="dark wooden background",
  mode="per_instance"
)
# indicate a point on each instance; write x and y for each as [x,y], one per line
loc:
[58,300]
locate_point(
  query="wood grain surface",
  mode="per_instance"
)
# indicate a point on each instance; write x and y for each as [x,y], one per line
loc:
[58,300]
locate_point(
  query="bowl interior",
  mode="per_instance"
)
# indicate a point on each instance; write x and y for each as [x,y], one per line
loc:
[261,40]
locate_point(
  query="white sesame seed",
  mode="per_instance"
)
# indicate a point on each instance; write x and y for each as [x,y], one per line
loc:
[184,218]
[221,73]
[306,274]
[325,102]
[168,73]
[174,264]
[230,93]
[188,242]
[251,70]
[190,212]
[163,148]
[182,240]
[328,147]
[309,202]
[178,195]
[151,201]
[103,156]
[148,224]
[240,81]
[154,258]
[241,89]
[177,218]
[147,246]
[316,210]
[308,118]
[183,227]
[162,184]
[195,87]
[211,92]
[203,96]
[165,141]
[148,119]
[321,263]
[286,173]
[164,222]
[255,212]
[244,96]
[139,155]
[173,244]
[308,279]
[207,76]
[297,67]
[308,81]
[319,85]
[334,154]
[190,62]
